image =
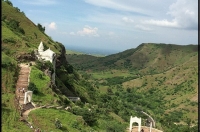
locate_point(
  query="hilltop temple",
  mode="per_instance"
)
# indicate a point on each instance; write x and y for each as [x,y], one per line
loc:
[47,55]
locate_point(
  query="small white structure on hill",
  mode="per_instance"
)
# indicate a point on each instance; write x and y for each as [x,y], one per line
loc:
[28,97]
[137,120]
[47,55]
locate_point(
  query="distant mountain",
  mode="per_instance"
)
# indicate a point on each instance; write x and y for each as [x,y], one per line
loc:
[146,57]
[91,51]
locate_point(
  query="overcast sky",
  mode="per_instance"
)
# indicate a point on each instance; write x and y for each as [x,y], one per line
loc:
[115,24]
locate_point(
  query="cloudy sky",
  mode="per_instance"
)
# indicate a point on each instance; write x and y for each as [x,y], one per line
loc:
[115,24]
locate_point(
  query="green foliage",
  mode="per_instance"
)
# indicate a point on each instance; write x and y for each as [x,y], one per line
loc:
[113,126]
[32,87]
[69,121]
[3,18]
[89,115]
[10,115]
[127,100]
[9,40]
[69,69]
[43,65]
[14,26]
[17,9]
[9,2]
[7,62]
[42,29]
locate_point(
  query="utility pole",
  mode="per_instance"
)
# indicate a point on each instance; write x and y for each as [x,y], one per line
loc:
[150,126]
[152,120]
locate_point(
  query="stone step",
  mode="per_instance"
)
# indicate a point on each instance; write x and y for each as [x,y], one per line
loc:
[22,77]
[21,86]
[24,72]
[28,106]
[22,83]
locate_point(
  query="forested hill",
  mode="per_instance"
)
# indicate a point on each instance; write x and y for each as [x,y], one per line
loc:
[161,79]
[20,39]
[148,57]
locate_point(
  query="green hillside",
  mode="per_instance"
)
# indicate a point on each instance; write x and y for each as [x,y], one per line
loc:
[20,39]
[159,79]
[146,56]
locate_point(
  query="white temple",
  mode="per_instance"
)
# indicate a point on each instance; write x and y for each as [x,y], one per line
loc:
[47,55]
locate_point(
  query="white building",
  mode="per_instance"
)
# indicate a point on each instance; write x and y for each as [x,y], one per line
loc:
[47,55]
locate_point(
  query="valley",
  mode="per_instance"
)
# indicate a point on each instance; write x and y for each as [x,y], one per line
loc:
[158,79]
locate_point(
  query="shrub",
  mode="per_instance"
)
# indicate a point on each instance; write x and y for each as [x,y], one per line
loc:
[9,2]
[32,87]
[9,40]
[42,29]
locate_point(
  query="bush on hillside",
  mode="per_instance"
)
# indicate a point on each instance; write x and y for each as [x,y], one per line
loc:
[32,87]
[14,26]
[42,29]
[9,2]
[44,65]
[9,40]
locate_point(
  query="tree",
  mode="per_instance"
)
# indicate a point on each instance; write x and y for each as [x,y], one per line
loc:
[128,90]
[9,2]
[109,90]
[89,116]
[32,87]
[42,29]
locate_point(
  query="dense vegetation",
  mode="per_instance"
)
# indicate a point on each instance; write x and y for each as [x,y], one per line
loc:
[20,39]
[159,79]
[162,83]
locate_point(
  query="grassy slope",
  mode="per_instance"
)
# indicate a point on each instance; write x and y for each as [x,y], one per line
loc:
[26,44]
[170,69]
[116,61]
[148,57]
[10,115]
[69,121]
[33,36]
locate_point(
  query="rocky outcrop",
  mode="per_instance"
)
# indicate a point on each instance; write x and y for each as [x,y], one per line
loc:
[26,57]
[61,58]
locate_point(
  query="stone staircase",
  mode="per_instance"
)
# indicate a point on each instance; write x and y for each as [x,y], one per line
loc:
[23,82]
[28,106]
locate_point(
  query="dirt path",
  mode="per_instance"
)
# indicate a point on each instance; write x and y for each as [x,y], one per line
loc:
[22,82]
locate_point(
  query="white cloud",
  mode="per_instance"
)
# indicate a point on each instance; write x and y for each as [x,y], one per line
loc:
[184,14]
[52,26]
[141,27]
[127,20]
[88,31]
[117,5]
[164,23]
